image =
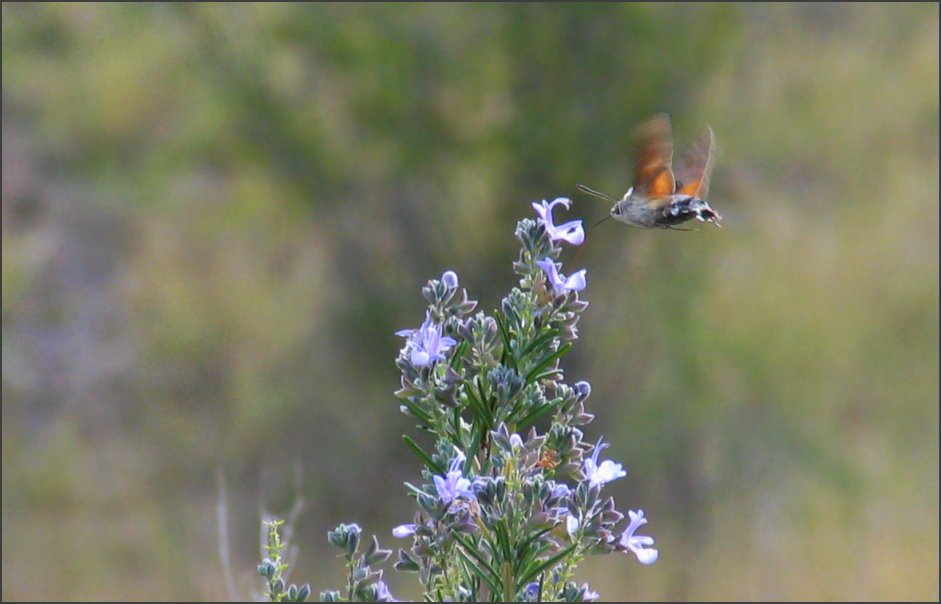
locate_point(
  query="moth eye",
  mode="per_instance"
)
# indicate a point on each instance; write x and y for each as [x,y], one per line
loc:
[616,210]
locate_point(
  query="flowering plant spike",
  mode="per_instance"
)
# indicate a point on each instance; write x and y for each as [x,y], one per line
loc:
[511,496]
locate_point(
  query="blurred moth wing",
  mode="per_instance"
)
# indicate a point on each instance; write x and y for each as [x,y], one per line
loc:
[653,159]
[695,167]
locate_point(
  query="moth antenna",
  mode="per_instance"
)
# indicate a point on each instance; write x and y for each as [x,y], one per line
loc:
[591,191]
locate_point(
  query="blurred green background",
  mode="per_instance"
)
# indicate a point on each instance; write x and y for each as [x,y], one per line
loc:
[215,217]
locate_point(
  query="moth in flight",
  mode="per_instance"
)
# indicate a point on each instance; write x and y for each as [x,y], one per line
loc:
[660,197]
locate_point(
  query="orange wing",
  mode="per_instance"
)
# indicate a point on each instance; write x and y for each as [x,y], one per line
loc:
[696,166]
[654,157]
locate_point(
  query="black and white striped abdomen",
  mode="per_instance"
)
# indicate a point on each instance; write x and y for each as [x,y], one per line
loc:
[685,207]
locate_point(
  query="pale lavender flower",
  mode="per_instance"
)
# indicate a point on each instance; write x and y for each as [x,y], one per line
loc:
[560,490]
[570,232]
[557,513]
[404,530]
[598,475]
[636,543]
[561,283]
[453,484]
[516,441]
[449,278]
[589,596]
[572,523]
[426,344]
[382,592]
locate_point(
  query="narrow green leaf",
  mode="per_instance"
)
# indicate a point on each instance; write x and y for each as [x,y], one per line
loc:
[526,577]
[471,579]
[485,400]
[503,539]
[545,362]
[539,341]
[426,459]
[415,490]
[508,357]
[417,412]
[474,447]
[458,354]
[479,572]
[478,407]
[518,400]
[534,415]
[545,374]
[532,553]
[456,422]
[521,550]
[488,574]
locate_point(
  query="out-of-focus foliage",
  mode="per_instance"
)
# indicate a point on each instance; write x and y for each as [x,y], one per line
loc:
[215,217]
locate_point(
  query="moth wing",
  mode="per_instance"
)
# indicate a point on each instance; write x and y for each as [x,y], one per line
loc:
[695,166]
[653,158]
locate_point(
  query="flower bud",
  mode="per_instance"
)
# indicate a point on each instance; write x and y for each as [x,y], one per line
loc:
[583,390]
[449,278]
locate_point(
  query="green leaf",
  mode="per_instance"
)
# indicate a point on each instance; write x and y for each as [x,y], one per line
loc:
[458,354]
[539,341]
[518,400]
[484,399]
[508,358]
[503,539]
[474,448]
[482,568]
[545,362]
[417,412]
[527,576]
[521,551]
[414,489]
[546,374]
[478,572]
[426,459]
[478,407]
[534,415]
[470,578]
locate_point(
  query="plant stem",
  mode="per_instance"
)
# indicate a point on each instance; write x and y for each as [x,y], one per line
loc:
[508,583]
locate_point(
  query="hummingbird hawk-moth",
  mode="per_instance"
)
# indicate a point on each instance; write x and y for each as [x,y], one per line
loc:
[660,197]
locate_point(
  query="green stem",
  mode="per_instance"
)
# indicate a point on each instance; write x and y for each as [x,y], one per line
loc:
[349,582]
[509,582]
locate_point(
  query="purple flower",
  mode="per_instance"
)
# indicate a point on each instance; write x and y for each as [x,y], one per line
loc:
[561,283]
[572,524]
[557,513]
[382,592]
[636,543]
[583,389]
[404,530]
[426,343]
[570,232]
[532,590]
[449,278]
[598,475]
[560,490]
[453,484]
[587,594]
